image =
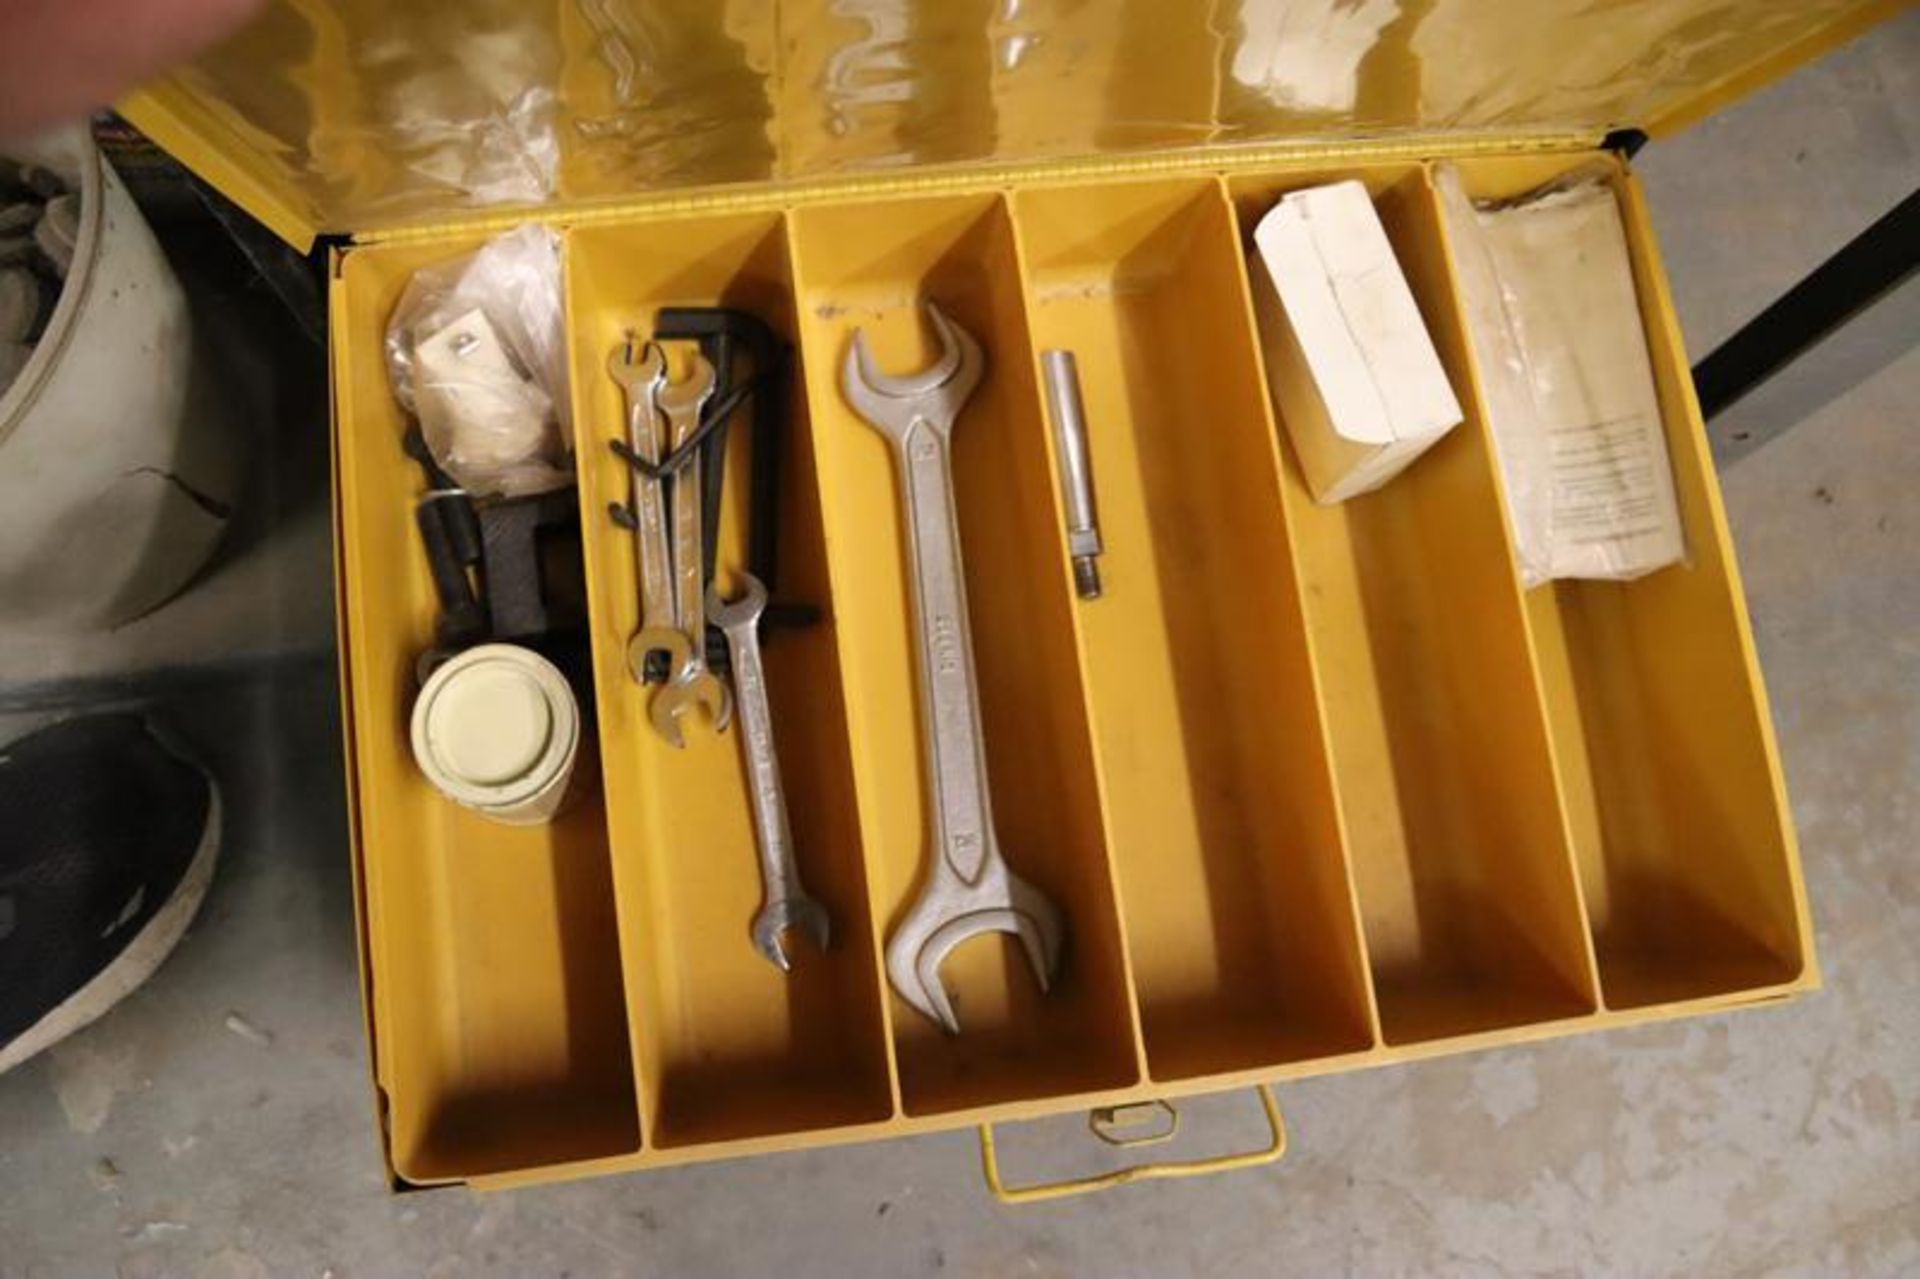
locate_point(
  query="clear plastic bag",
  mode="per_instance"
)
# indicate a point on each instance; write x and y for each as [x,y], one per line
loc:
[476,352]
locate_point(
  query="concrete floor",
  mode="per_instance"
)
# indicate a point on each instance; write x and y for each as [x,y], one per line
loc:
[1786,1141]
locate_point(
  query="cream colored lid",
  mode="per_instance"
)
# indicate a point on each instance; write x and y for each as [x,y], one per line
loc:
[495,725]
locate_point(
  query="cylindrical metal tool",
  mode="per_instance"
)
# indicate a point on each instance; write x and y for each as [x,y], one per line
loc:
[1076,469]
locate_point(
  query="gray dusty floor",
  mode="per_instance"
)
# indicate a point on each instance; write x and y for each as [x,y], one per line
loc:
[1775,1142]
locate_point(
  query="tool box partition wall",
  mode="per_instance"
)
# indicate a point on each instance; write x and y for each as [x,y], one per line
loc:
[1315,787]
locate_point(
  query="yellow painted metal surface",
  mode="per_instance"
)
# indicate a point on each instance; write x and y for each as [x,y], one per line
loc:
[498,1017]
[727,1045]
[1439,748]
[1317,788]
[866,266]
[1663,735]
[1223,825]
[1042,1192]
[357,115]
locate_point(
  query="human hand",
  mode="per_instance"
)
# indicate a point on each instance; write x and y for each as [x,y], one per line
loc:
[60,59]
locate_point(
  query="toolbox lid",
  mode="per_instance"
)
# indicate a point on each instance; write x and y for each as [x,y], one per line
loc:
[331,116]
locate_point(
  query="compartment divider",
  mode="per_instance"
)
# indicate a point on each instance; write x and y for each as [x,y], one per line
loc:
[1439,290]
[1443,762]
[871,266]
[615,718]
[730,1047]
[1664,748]
[495,968]
[1225,840]
[1279,461]
[1050,453]
[809,353]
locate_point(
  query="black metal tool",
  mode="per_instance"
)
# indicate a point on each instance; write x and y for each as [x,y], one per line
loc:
[524,553]
[718,330]
[534,575]
[1867,268]
[450,531]
[715,415]
[790,617]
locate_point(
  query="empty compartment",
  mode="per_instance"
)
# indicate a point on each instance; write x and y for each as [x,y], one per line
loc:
[499,1022]
[871,267]
[1465,882]
[1679,819]
[730,1046]
[1239,917]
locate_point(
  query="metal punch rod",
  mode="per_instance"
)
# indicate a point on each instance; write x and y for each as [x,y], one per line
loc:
[1069,416]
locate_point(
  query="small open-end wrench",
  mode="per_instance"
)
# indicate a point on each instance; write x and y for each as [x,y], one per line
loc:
[969,890]
[641,375]
[785,903]
[693,684]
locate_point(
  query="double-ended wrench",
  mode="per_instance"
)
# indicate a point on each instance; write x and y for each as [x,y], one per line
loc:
[969,889]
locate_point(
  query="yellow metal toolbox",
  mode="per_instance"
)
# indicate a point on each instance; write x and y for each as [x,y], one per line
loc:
[1316,788]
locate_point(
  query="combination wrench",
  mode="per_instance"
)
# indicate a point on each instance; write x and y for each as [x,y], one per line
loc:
[693,684]
[785,903]
[969,889]
[640,379]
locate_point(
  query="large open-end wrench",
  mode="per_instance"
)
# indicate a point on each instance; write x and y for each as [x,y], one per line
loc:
[784,903]
[693,684]
[969,890]
[640,376]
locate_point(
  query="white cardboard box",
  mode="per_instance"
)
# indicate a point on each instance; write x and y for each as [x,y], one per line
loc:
[1355,379]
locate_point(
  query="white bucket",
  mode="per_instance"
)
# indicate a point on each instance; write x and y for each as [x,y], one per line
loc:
[497,729]
[119,461]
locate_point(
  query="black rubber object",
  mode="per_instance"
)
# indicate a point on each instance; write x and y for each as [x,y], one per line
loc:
[102,822]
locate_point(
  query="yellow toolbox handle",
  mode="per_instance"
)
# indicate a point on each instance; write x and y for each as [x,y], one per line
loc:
[1112,1125]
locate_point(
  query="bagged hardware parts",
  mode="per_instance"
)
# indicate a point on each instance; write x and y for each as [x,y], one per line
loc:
[1548,288]
[475,350]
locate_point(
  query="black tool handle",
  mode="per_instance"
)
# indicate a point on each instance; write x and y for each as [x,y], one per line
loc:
[450,532]
[462,620]
[455,507]
[462,524]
